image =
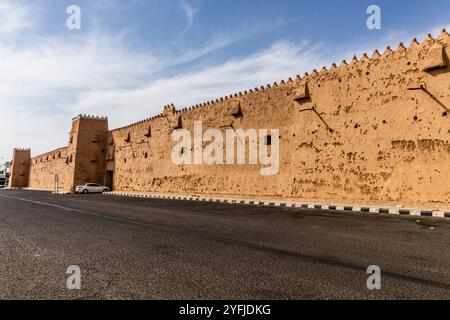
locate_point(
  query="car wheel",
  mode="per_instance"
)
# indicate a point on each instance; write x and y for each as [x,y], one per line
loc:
[85,191]
[105,190]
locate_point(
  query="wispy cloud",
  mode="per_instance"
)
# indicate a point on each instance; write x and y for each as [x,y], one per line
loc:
[46,81]
[190,13]
[275,63]
[14,18]
[40,83]
[44,78]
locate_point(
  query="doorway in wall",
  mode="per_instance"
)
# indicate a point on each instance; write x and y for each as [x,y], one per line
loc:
[109,179]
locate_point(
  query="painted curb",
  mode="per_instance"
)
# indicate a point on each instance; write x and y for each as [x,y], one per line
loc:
[327,207]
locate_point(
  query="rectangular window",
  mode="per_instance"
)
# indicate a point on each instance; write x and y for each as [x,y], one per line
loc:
[268,140]
[149,132]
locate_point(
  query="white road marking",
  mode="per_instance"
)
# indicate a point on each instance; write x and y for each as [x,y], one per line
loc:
[98,215]
[38,202]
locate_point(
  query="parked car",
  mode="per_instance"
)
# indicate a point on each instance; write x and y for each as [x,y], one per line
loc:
[91,188]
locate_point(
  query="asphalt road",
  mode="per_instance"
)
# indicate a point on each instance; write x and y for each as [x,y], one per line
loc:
[163,249]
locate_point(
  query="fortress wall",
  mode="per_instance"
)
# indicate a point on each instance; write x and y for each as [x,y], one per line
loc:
[82,161]
[389,140]
[372,130]
[44,167]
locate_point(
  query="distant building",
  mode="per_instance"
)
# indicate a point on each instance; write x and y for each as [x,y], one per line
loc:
[5,170]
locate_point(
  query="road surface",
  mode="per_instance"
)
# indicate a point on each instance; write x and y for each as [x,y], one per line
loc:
[131,248]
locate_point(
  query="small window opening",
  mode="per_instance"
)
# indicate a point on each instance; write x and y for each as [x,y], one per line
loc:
[268,140]
[149,132]
[179,123]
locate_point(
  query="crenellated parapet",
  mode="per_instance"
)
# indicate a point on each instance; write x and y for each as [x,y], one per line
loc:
[22,150]
[90,117]
[421,49]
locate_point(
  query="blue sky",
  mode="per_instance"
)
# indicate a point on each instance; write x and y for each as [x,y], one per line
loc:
[132,57]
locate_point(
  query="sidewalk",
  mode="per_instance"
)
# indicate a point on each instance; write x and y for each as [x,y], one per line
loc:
[370,209]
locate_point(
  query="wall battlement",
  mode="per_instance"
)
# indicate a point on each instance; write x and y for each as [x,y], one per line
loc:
[21,150]
[373,129]
[89,117]
[323,72]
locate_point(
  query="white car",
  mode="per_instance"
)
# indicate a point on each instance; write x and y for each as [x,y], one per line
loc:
[91,188]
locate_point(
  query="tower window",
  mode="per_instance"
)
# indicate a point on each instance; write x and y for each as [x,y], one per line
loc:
[178,123]
[149,132]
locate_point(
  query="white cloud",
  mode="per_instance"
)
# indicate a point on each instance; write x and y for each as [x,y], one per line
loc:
[190,13]
[282,60]
[49,80]
[276,63]
[41,80]
[14,18]
[46,81]
[43,86]
[39,84]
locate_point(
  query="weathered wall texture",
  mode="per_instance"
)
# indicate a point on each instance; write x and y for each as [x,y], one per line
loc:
[89,149]
[388,142]
[387,138]
[20,168]
[44,168]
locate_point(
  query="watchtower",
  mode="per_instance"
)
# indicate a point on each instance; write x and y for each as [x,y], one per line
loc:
[20,168]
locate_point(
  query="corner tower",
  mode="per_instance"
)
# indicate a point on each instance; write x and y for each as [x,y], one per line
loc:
[20,168]
[87,144]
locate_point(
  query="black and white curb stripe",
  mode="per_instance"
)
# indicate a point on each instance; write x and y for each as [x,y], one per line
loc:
[333,208]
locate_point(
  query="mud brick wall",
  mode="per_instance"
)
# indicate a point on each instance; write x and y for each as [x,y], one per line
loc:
[375,129]
[383,134]
[44,168]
